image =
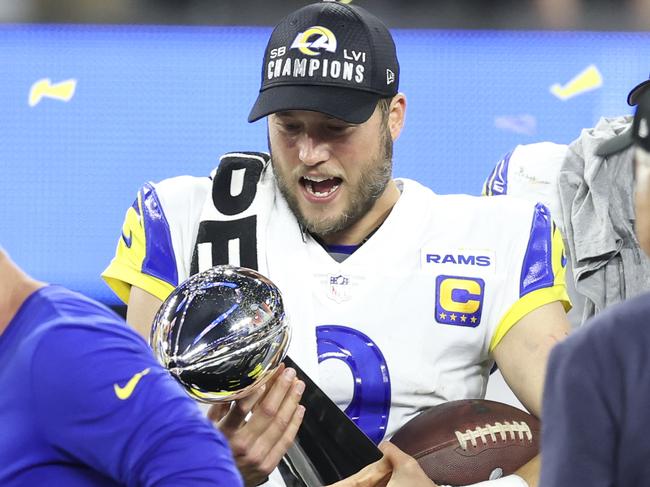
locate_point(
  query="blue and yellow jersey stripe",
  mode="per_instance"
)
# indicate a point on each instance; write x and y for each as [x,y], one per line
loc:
[145,255]
[543,273]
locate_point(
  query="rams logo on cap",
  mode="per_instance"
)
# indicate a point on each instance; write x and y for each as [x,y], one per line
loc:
[459,300]
[314,39]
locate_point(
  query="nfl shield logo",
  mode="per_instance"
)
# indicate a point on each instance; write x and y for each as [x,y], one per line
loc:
[339,288]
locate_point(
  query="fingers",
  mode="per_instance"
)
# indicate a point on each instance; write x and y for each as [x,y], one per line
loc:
[395,469]
[236,415]
[218,411]
[286,438]
[374,475]
[274,423]
[392,452]
[271,415]
[259,443]
[406,470]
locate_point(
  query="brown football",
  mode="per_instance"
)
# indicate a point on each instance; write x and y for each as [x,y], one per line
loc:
[468,441]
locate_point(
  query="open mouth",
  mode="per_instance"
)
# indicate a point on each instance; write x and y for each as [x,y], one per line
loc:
[320,187]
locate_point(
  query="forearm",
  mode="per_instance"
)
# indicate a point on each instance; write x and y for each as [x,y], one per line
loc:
[530,471]
[523,353]
[141,310]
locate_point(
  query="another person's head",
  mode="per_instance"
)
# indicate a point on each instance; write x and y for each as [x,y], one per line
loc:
[330,81]
[15,287]
[641,137]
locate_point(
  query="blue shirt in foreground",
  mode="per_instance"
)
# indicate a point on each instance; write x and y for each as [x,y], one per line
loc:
[596,410]
[84,403]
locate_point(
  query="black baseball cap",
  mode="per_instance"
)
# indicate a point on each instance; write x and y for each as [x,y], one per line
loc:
[636,92]
[641,124]
[624,139]
[328,57]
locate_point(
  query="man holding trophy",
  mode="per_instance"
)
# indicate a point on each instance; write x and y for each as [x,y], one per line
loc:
[223,333]
[399,299]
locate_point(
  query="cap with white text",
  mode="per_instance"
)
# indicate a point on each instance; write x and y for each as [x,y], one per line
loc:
[328,57]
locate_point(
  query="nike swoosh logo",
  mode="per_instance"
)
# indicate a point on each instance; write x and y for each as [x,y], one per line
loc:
[586,80]
[125,392]
[127,240]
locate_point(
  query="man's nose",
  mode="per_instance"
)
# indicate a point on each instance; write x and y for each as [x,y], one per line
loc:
[311,150]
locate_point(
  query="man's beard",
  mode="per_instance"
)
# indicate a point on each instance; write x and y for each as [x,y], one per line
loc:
[374,178]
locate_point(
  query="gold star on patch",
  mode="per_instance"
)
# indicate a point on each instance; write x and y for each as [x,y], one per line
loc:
[443,316]
[463,318]
[473,320]
[453,317]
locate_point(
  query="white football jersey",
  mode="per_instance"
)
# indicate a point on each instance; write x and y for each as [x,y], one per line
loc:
[530,171]
[407,321]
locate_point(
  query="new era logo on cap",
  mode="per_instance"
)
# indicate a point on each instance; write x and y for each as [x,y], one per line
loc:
[390,77]
[329,57]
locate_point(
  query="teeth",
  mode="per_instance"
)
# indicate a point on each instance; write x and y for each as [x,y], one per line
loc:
[317,179]
[310,190]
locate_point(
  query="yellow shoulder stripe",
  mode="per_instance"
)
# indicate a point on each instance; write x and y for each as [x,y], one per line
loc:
[525,305]
[120,278]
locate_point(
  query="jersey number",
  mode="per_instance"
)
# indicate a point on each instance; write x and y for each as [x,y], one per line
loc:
[370,405]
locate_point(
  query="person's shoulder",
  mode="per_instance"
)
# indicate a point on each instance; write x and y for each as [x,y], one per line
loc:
[537,164]
[52,303]
[538,151]
[64,328]
[609,136]
[505,206]
[621,329]
[177,198]
[75,313]
[608,126]
[184,181]
[184,186]
[622,320]
[528,170]
[417,194]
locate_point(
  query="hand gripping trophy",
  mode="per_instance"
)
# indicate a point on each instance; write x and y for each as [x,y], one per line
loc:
[222,333]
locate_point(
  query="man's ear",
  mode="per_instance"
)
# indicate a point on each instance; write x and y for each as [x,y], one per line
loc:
[396,115]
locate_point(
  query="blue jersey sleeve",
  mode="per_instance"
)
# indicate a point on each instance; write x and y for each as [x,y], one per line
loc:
[102,399]
[144,256]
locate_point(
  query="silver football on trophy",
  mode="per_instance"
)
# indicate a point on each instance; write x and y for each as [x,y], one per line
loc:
[221,333]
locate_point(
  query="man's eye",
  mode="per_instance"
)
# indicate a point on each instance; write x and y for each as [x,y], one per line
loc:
[291,127]
[338,129]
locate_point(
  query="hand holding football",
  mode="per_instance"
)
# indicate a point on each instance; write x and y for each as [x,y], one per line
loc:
[468,441]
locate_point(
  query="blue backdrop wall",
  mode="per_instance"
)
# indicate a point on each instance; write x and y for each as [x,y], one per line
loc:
[114,107]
